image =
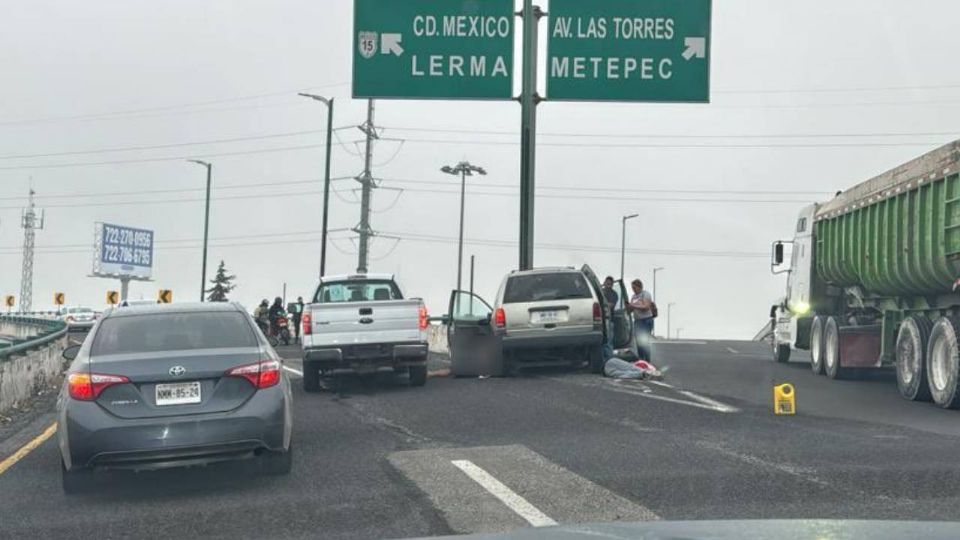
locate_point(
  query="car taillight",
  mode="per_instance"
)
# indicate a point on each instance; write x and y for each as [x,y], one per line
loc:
[597,314]
[424,318]
[261,375]
[89,386]
[500,318]
[306,322]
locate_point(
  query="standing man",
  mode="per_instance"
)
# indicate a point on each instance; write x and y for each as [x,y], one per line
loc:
[641,303]
[611,298]
[296,315]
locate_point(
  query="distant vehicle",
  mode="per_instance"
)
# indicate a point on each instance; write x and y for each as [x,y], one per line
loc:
[173,385]
[78,318]
[873,277]
[362,323]
[544,316]
[282,333]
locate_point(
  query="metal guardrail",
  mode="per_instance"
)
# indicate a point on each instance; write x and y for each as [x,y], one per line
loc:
[50,330]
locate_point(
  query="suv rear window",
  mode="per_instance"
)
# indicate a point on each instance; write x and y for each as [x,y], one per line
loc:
[546,287]
[172,332]
[365,290]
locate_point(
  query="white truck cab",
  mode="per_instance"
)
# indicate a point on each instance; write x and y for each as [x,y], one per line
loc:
[791,316]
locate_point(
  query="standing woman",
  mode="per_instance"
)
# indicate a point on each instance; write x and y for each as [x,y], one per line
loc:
[641,303]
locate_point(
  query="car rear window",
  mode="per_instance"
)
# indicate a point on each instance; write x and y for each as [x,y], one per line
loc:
[546,287]
[172,332]
[357,291]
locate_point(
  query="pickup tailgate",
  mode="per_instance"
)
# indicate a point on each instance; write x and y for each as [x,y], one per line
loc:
[359,323]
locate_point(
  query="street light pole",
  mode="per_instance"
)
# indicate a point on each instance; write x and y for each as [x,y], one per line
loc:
[623,243]
[653,293]
[206,227]
[326,179]
[464,169]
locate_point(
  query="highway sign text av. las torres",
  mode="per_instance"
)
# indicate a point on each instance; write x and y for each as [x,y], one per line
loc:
[629,50]
[441,49]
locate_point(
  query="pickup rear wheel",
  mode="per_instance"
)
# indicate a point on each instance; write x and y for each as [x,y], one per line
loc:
[311,377]
[943,363]
[418,375]
[912,342]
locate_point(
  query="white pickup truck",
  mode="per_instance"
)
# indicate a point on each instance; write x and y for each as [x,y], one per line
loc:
[362,323]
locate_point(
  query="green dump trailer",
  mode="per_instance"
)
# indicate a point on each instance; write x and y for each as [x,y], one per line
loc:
[873,278]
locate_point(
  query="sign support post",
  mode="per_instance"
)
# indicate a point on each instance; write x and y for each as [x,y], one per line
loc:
[528,131]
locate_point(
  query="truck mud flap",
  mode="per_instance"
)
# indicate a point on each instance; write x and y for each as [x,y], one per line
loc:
[860,346]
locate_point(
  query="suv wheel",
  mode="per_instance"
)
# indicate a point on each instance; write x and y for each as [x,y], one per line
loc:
[418,375]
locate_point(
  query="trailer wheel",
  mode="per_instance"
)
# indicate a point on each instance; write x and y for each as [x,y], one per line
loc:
[943,363]
[816,345]
[912,342]
[831,349]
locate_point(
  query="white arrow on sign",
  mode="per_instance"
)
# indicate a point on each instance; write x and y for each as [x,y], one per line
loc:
[390,43]
[696,47]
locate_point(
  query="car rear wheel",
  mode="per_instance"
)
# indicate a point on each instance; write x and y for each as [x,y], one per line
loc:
[74,481]
[816,345]
[912,342]
[418,375]
[311,377]
[277,463]
[943,363]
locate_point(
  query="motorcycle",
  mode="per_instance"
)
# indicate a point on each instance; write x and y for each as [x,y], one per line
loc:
[281,332]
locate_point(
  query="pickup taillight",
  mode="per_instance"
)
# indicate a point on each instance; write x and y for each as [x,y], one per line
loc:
[424,319]
[307,322]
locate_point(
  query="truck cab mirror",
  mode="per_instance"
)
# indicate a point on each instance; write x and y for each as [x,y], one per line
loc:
[778,254]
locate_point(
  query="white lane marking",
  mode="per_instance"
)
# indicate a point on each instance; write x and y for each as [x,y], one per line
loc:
[507,496]
[294,371]
[732,350]
[630,387]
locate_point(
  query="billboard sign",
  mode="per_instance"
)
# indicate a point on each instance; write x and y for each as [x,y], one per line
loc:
[123,251]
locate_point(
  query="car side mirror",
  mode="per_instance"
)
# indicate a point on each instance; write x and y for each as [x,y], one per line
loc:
[71,352]
[778,254]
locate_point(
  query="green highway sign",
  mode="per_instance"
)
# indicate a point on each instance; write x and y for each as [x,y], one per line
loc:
[629,50]
[433,49]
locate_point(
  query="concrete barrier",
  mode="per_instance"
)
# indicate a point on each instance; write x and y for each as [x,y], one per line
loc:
[437,339]
[23,375]
[32,360]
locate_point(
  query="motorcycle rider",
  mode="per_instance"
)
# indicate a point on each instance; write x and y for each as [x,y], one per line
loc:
[261,315]
[276,311]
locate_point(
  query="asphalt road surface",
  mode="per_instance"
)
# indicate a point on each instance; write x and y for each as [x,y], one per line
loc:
[376,458]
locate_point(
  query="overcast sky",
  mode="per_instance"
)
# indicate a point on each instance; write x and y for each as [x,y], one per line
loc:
[189,71]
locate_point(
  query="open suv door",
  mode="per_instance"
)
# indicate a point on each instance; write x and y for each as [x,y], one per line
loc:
[475,348]
[620,319]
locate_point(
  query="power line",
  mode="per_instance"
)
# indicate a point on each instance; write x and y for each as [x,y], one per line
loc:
[672,146]
[170,158]
[834,90]
[423,238]
[126,112]
[680,136]
[168,145]
[271,184]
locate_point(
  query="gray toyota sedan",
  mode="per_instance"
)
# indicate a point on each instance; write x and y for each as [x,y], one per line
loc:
[170,385]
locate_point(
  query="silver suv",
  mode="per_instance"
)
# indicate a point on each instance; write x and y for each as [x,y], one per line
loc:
[539,317]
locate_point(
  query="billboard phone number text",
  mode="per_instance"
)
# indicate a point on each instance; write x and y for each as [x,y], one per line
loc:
[127,246]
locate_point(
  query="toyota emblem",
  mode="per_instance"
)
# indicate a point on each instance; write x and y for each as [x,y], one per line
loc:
[177,371]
